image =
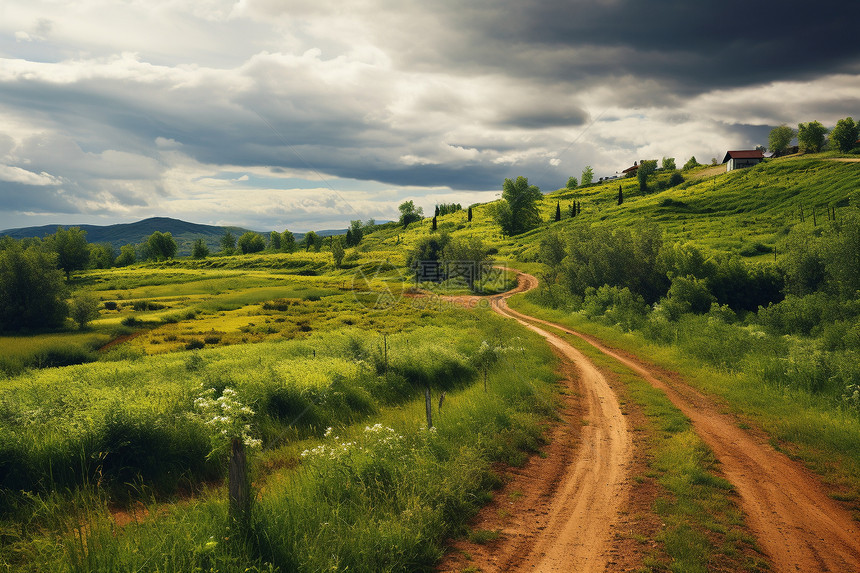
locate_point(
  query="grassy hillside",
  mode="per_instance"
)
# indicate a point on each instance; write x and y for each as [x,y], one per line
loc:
[747,212]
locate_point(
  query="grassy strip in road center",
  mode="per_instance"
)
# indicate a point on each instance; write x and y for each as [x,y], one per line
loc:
[702,525]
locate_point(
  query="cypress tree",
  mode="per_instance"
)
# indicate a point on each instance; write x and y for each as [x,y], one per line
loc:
[349,237]
[470,215]
[434,223]
[558,211]
[620,195]
[436,214]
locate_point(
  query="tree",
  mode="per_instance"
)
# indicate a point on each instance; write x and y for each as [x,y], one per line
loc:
[337,251]
[84,308]
[275,241]
[469,215]
[668,164]
[288,241]
[518,210]
[558,211]
[409,213]
[646,168]
[161,246]
[780,137]
[355,233]
[587,175]
[620,195]
[199,250]
[73,252]
[126,256]
[102,256]
[31,288]
[690,164]
[844,135]
[810,136]
[228,243]
[433,224]
[572,183]
[251,242]
[312,240]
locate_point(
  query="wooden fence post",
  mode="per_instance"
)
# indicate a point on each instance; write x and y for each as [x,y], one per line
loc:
[429,407]
[239,488]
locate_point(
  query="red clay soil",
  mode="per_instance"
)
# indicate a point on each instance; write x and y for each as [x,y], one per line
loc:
[120,339]
[787,507]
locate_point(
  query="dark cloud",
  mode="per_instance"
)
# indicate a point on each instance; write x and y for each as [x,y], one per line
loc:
[692,46]
[405,93]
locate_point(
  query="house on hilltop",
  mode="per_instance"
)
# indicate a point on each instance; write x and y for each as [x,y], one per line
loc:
[631,171]
[740,159]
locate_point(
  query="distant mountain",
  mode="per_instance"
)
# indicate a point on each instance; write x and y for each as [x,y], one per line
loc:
[183,232]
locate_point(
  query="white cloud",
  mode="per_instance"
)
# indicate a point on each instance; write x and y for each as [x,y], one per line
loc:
[18,175]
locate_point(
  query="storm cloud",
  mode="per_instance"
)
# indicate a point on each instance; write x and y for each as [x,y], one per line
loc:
[306,114]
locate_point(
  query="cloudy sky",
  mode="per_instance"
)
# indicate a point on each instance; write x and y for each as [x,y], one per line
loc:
[304,114]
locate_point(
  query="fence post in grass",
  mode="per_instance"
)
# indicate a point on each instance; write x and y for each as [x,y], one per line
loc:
[239,488]
[429,407]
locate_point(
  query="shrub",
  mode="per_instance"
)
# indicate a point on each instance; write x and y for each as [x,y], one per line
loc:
[194,344]
[143,305]
[687,294]
[84,308]
[110,305]
[616,306]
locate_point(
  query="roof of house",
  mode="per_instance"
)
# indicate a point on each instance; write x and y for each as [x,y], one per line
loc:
[748,154]
[629,169]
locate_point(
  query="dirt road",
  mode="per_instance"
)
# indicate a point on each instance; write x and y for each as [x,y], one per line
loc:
[569,525]
[796,523]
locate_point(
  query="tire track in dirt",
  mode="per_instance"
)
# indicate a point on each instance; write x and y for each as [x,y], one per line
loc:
[797,524]
[572,530]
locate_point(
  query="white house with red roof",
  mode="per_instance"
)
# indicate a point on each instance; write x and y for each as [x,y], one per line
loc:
[740,159]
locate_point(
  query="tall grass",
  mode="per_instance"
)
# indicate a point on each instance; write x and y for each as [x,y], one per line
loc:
[380,495]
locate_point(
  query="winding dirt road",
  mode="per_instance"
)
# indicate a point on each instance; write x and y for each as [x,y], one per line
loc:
[570,526]
[787,507]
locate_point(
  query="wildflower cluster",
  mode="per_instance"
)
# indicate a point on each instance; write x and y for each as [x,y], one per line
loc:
[227,416]
[375,441]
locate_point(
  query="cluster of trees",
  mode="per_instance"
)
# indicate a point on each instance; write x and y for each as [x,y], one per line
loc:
[812,136]
[33,281]
[440,258]
[681,276]
[447,209]
[587,178]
